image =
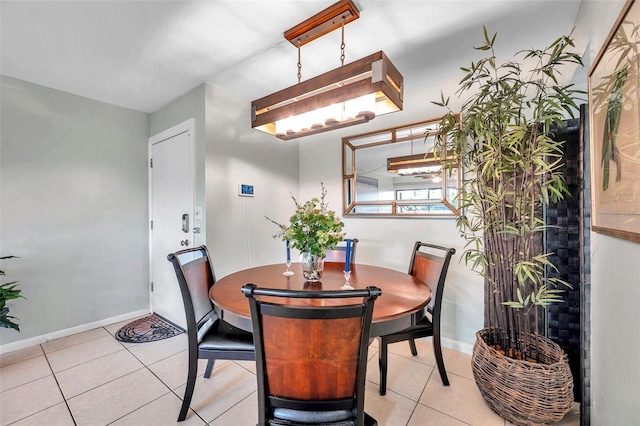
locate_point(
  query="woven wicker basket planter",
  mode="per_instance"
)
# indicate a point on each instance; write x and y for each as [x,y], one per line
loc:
[525,393]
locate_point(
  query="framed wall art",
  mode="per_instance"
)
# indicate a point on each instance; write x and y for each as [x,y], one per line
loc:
[614,134]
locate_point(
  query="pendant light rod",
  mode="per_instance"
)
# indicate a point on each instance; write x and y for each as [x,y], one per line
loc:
[299,65]
[342,45]
[322,23]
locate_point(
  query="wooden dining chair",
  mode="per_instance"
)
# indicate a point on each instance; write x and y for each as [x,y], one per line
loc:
[209,337]
[429,263]
[339,253]
[311,358]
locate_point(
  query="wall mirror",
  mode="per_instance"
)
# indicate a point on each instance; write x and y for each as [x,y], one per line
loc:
[392,172]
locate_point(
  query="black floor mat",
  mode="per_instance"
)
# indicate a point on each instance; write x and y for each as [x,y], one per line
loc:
[148,329]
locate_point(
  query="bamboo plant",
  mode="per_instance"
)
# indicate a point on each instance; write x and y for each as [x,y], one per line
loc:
[503,140]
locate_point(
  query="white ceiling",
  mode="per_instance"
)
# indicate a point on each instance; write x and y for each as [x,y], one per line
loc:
[144,54]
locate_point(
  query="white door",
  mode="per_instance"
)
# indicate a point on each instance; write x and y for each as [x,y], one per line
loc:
[171,213]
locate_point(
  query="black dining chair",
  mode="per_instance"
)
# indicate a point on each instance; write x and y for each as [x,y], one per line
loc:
[311,357]
[339,253]
[429,263]
[209,337]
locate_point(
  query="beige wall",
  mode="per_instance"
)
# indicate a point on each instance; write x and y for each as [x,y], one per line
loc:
[615,281]
[73,206]
[237,232]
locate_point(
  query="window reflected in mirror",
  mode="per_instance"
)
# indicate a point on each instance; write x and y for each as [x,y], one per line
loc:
[393,172]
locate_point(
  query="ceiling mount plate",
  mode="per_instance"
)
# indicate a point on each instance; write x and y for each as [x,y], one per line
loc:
[322,23]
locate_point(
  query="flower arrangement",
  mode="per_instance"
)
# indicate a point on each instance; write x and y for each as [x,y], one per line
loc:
[312,228]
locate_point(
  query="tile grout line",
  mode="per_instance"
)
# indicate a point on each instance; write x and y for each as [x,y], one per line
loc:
[20,359]
[415,407]
[417,402]
[64,398]
[88,361]
[45,354]
[57,384]
[54,375]
[144,366]
[147,366]
[76,344]
[412,409]
[170,391]
[228,409]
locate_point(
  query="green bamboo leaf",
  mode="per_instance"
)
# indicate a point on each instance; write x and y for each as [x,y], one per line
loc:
[512,167]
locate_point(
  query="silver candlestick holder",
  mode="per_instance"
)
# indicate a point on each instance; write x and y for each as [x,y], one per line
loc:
[288,272]
[347,285]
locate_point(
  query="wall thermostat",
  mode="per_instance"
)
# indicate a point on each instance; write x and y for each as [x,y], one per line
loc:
[245,190]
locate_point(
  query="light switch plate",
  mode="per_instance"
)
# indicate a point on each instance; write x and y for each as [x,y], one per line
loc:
[245,190]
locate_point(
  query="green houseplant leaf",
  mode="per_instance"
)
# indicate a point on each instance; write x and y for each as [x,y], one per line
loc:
[502,137]
[8,291]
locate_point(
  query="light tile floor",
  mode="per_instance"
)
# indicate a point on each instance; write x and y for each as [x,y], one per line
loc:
[92,379]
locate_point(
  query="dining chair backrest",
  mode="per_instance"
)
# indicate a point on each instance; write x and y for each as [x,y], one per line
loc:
[195,277]
[208,336]
[339,253]
[310,357]
[430,263]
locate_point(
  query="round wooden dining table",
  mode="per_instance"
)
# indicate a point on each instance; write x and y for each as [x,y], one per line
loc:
[403,301]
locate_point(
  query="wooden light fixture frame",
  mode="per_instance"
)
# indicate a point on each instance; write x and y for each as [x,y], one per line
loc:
[396,164]
[322,23]
[374,74]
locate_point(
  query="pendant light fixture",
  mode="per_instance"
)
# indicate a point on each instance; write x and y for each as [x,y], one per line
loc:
[351,94]
[414,164]
[424,163]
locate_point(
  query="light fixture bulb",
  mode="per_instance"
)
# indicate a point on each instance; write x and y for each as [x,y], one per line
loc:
[419,170]
[328,116]
[357,106]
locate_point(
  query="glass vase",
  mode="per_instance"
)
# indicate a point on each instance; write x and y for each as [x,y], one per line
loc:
[312,266]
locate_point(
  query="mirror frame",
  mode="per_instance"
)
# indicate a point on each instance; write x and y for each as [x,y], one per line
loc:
[397,208]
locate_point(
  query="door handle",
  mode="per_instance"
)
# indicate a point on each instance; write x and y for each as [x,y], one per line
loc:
[184,243]
[185,223]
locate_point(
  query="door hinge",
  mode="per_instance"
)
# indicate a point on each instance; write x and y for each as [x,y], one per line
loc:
[151,285]
[151,163]
[152,225]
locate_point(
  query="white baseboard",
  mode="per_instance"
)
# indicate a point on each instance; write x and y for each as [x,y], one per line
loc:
[458,346]
[32,341]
